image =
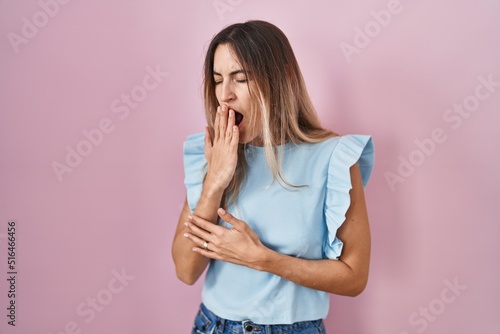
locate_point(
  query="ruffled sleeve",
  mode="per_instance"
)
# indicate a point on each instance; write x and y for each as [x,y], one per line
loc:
[349,150]
[194,167]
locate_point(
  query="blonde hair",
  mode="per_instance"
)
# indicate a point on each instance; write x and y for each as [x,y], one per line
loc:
[277,89]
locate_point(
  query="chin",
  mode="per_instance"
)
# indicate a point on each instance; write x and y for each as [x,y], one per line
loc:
[253,140]
[243,139]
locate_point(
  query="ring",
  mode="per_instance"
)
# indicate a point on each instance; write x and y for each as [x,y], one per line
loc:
[205,245]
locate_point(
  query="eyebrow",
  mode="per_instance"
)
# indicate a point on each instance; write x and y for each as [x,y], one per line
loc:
[232,73]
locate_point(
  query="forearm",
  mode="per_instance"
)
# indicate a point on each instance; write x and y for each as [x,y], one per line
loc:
[209,202]
[332,276]
[190,265]
[221,152]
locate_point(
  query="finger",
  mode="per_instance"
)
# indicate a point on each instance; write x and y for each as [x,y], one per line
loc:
[229,218]
[203,229]
[198,234]
[210,252]
[216,123]
[208,138]
[235,138]
[230,123]
[207,253]
[199,242]
[223,121]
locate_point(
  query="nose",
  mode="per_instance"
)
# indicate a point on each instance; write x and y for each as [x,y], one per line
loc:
[227,93]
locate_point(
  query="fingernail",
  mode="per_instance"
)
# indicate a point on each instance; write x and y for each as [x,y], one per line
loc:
[186,224]
[231,112]
[186,235]
[190,217]
[222,211]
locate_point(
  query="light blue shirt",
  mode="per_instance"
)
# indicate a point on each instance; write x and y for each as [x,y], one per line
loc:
[300,222]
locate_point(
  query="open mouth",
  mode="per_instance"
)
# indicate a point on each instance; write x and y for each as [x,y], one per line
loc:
[238,117]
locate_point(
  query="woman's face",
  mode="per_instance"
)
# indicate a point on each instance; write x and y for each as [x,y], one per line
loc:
[232,90]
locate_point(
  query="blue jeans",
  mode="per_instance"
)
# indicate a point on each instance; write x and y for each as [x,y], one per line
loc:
[208,323]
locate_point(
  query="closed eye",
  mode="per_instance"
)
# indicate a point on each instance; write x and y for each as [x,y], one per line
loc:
[238,76]
[217,82]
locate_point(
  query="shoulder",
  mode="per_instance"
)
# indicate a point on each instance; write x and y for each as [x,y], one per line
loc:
[345,152]
[350,141]
[194,143]
[194,152]
[349,149]
[194,167]
[349,144]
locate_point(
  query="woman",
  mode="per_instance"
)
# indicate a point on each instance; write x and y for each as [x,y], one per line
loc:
[275,203]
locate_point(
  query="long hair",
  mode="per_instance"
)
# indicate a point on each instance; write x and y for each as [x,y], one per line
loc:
[277,91]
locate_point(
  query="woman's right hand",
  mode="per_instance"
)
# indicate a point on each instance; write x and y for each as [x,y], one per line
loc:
[221,151]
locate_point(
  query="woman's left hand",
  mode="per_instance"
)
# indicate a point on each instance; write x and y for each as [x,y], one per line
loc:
[238,245]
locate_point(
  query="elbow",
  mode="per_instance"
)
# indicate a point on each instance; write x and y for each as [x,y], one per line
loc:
[357,287]
[352,285]
[356,291]
[186,274]
[186,278]
[184,270]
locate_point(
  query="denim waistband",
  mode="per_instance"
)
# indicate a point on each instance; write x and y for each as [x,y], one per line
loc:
[208,322]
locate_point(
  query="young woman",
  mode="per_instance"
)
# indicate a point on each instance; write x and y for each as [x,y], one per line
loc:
[275,205]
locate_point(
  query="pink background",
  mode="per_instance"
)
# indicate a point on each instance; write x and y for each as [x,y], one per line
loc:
[435,225]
